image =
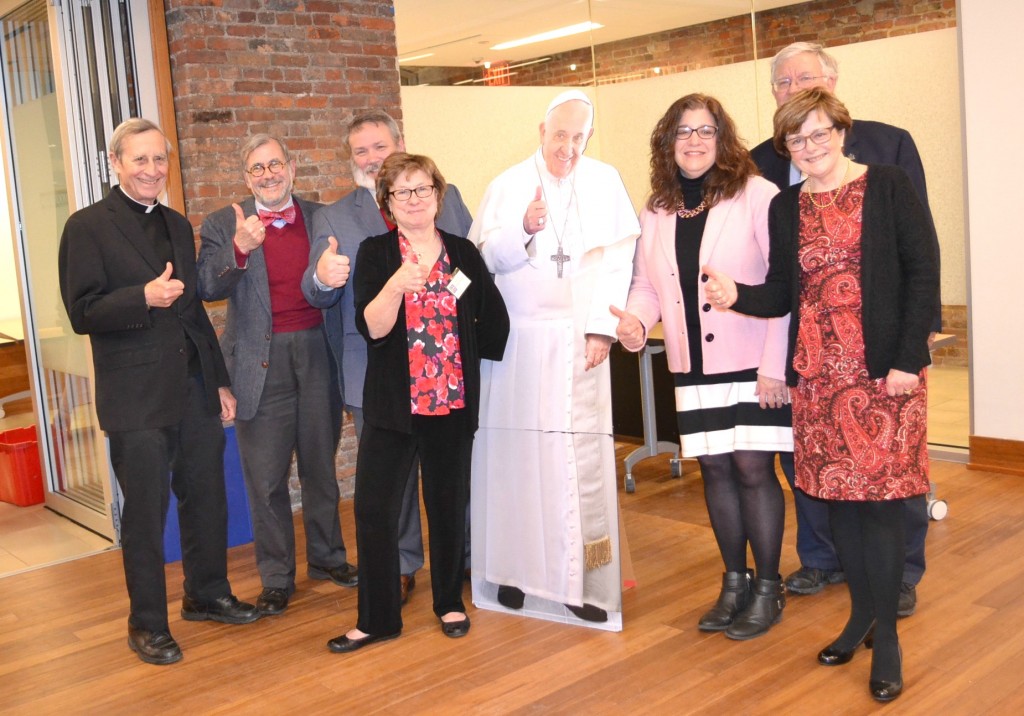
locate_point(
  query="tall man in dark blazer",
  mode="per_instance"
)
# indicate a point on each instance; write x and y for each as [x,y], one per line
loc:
[128,280]
[254,254]
[797,67]
[338,230]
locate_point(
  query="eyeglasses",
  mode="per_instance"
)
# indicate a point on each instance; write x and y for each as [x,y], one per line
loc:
[405,194]
[257,170]
[705,131]
[802,81]
[818,136]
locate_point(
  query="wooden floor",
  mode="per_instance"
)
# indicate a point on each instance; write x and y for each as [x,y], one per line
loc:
[62,635]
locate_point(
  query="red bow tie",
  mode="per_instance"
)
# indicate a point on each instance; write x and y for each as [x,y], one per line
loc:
[269,217]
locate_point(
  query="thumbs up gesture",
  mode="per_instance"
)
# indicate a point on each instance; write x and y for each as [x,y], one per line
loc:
[411,277]
[719,289]
[536,213]
[332,268]
[249,232]
[162,291]
[630,330]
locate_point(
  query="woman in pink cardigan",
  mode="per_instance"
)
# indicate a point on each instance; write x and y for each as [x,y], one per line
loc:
[707,205]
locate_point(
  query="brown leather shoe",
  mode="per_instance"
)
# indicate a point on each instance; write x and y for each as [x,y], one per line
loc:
[154,647]
[408,584]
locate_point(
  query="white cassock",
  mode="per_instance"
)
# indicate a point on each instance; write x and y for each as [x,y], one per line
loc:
[544,504]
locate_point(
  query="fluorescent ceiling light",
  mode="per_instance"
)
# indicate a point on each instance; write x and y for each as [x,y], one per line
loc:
[550,35]
[415,57]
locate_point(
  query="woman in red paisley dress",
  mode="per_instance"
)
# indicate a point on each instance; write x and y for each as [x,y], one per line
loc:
[429,312]
[854,259]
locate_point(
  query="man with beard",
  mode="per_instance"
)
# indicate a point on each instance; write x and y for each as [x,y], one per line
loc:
[338,229]
[253,254]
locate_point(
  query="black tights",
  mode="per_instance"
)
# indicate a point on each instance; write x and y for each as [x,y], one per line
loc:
[870,541]
[745,503]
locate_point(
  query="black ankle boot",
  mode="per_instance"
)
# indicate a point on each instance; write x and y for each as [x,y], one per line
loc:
[733,599]
[768,599]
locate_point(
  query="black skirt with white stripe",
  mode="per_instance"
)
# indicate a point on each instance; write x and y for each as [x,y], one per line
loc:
[720,413]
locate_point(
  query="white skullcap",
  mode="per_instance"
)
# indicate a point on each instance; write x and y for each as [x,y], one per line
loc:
[569,96]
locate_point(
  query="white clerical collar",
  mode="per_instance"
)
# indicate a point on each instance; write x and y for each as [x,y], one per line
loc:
[545,173]
[149,207]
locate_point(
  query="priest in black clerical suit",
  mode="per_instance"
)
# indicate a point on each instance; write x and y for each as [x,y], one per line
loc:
[128,280]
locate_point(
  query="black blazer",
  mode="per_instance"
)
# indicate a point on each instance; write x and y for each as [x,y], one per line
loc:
[899,273]
[868,143]
[483,329]
[140,354]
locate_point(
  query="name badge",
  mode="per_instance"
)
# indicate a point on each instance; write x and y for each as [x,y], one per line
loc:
[458,283]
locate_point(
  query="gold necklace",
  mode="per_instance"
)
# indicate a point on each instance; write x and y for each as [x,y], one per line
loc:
[838,190]
[685,213]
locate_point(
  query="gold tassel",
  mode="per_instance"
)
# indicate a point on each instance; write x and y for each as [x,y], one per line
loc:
[597,554]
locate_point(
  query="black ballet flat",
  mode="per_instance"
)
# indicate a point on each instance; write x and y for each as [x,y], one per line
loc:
[344,645]
[831,656]
[454,630]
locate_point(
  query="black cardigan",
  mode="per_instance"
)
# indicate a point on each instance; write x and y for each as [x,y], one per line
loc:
[483,329]
[899,273]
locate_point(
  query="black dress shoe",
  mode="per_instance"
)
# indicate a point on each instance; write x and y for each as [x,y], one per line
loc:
[154,647]
[833,656]
[226,610]
[272,601]
[408,584]
[344,575]
[343,645]
[510,597]
[589,613]
[886,690]
[455,629]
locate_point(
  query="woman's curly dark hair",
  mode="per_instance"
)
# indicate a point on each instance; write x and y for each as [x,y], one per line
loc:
[727,178]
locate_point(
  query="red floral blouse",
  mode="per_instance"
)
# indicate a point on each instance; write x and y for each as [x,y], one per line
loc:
[436,386]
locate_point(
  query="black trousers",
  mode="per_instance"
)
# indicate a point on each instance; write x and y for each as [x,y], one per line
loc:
[191,454]
[444,445]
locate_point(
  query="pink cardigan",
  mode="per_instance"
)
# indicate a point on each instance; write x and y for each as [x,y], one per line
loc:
[735,242]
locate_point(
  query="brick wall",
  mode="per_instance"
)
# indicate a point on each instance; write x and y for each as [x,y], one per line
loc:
[954,321]
[298,69]
[722,42]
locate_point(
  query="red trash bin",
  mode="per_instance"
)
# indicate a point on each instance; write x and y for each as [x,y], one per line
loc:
[21,475]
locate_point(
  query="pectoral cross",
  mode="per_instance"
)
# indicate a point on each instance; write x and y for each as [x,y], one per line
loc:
[560,258]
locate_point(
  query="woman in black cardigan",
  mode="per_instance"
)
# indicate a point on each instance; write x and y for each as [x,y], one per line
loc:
[854,259]
[429,312]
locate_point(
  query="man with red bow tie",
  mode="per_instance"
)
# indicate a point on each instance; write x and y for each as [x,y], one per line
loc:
[253,254]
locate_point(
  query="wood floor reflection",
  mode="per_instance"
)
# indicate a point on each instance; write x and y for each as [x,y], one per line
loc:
[62,634]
